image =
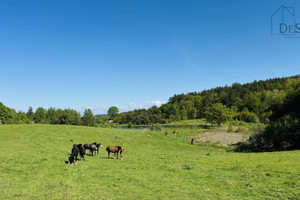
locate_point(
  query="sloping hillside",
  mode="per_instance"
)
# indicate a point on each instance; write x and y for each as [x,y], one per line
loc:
[155,166]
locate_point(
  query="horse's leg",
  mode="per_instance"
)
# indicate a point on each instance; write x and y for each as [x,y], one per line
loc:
[108,154]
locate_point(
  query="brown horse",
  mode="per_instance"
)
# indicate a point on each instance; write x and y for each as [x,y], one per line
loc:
[115,150]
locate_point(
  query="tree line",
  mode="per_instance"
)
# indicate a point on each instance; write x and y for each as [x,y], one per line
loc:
[250,102]
[46,116]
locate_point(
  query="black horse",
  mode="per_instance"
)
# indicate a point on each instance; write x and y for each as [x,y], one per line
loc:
[81,150]
[73,156]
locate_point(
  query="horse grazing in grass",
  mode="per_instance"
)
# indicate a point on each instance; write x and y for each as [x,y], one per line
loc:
[81,150]
[115,150]
[93,148]
[98,145]
[89,146]
[73,156]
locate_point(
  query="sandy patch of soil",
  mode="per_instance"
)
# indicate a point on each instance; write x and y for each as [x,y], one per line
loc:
[222,137]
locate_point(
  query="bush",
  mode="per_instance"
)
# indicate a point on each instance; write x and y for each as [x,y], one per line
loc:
[155,127]
[246,116]
[129,125]
[230,128]
[282,135]
[278,135]
[241,129]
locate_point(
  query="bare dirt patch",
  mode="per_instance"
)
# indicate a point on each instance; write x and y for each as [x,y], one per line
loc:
[223,138]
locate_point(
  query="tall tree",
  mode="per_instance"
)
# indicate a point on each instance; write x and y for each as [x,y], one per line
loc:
[30,113]
[112,111]
[88,118]
[40,116]
[218,113]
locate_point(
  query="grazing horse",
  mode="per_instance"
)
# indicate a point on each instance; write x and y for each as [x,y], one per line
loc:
[81,150]
[88,146]
[93,148]
[98,145]
[73,156]
[115,149]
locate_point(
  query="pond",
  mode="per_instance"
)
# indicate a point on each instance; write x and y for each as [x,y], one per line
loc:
[142,127]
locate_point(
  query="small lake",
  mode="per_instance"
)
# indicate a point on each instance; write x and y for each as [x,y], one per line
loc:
[141,127]
[185,126]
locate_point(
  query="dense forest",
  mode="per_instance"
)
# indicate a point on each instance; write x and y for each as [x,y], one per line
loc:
[250,102]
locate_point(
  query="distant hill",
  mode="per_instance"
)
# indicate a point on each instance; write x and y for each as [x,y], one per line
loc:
[101,115]
[250,102]
[105,115]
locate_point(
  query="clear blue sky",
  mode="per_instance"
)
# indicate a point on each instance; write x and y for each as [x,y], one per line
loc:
[132,54]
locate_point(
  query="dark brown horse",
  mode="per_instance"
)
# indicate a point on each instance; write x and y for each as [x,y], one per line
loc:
[73,156]
[115,150]
[92,147]
[81,150]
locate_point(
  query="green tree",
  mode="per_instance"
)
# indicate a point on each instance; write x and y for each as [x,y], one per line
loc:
[30,113]
[40,116]
[72,117]
[129,125]
[21,118]
[119,118]
[7,115]
[218,113]
[52,116]
[112,111]
[88,118]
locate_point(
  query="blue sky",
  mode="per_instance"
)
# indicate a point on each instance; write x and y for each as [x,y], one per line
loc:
[134,54]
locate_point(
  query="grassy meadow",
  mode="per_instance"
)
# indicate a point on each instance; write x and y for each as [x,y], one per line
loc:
[156,165]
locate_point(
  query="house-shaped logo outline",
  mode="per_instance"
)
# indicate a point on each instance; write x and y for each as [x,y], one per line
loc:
[290,10]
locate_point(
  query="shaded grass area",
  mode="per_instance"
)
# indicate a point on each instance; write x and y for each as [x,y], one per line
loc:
[155,166]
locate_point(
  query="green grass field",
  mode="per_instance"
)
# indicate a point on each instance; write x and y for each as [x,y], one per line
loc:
[155,166]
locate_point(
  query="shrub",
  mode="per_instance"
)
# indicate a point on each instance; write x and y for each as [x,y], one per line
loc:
[278,135]
[129,125]
[230,128]
[246,116]
[241,129]
[155,127]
